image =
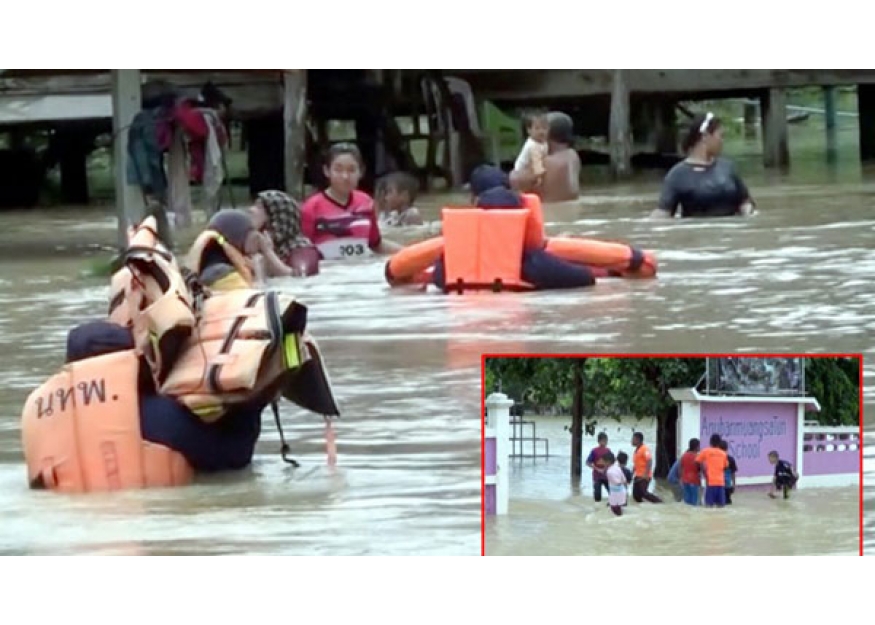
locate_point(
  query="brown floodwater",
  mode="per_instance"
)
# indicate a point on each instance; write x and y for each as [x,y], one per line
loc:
[796,278]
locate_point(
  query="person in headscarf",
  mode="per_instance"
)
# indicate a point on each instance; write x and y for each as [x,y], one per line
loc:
[281,243]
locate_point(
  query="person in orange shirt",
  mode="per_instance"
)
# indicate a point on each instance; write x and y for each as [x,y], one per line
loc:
[642,463]
[714,462]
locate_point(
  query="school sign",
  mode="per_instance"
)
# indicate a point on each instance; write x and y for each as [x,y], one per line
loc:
[754,425]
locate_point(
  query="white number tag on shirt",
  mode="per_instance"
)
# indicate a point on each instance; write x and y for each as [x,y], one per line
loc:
[337,249]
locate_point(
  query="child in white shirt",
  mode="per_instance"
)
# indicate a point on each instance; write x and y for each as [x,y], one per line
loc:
[531,158]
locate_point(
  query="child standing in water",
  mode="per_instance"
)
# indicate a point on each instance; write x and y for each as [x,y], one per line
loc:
[785,476]
[616,484]
[531,158]
[729,473]
[341,220]
[396,193]
[622,461]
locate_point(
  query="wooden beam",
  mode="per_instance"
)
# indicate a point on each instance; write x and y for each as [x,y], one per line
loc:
[619,127]
[519,85]
[125,106]
[776,151]
[295,120]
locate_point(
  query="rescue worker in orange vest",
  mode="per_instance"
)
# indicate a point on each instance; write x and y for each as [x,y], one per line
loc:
[642,464]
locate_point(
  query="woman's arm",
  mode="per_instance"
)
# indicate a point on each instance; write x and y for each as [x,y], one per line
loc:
[271,264]
[388,247]
[747,206]
[669,197]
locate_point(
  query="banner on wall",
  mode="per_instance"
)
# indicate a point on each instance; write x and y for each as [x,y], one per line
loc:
[737,375]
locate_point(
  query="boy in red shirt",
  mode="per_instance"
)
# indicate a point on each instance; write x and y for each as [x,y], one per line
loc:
[691,476]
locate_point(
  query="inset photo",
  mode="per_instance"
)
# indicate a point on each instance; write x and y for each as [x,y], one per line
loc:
[672,455]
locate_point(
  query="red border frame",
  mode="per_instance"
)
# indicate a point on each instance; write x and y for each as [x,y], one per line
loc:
[483,358]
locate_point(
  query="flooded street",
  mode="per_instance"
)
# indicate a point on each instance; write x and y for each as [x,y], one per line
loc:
[549,517]
[405,365]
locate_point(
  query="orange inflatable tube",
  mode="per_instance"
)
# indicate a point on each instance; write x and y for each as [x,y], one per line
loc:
[81,432]
[605,258]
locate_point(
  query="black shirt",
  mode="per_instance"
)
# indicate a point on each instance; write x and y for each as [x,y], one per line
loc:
[713,190]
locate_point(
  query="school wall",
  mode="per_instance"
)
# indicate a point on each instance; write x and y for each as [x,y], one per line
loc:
[823,456]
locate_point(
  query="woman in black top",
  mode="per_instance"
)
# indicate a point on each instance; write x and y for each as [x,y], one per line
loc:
[703,184]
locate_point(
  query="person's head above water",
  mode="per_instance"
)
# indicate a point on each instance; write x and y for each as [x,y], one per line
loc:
[234,225]
[603,439]
[537,125]
[490,188]
[343,169]
[694,444]
[704,138]
[561,129]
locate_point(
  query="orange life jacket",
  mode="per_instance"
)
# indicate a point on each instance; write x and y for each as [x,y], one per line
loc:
[81,431]
[150,296]
[211,238]
[482,248]
[250,344]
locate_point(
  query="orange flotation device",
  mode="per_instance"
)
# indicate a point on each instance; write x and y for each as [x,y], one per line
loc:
[209,239]
[482,249]
[605,258]
[81,431]
[250,344]
[150,295]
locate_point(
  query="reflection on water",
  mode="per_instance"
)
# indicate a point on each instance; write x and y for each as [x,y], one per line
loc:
[550,517]
[406,367]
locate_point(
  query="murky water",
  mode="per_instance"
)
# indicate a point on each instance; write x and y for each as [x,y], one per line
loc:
[406,367]
[550,517]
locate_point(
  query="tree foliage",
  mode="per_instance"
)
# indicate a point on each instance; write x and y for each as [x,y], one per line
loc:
[638,387]
[612,388]
[835,382]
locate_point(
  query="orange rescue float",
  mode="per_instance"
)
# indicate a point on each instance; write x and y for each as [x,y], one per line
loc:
[81,431]
[483,248]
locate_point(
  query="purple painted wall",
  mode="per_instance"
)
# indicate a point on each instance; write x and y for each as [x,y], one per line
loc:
[827,454]
[752,430]
[490,456]
[490,498]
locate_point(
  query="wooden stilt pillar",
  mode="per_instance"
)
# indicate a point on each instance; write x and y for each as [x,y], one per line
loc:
[750,119]
[866,108]
[829,107]
[776,151]
[295,120]
[619,127]
[125,105]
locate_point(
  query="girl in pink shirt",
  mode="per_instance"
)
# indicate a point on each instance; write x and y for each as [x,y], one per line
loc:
[341,221]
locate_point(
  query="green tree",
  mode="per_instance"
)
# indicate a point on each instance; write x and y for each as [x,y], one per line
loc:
[598,388]
[835,382]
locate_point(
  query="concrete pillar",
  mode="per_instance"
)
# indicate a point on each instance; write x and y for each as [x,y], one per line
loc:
[498,419]
[125,106]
